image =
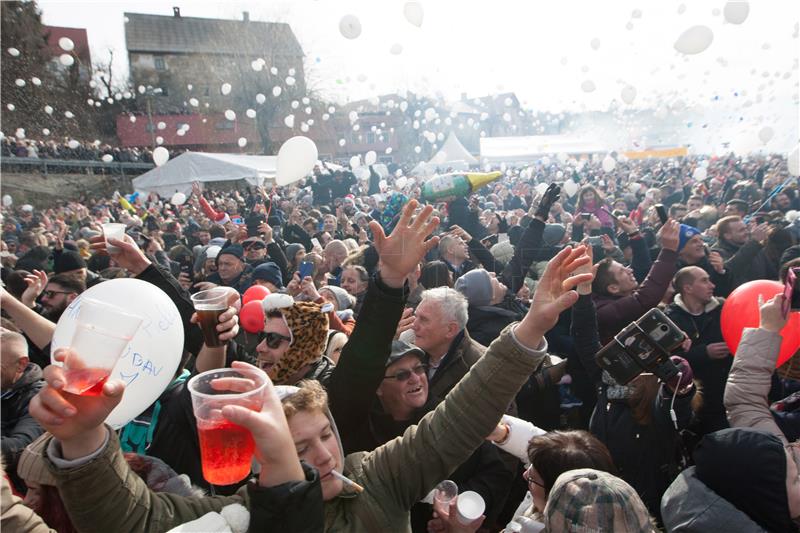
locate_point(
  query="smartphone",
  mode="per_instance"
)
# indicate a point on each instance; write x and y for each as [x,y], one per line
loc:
[612,215]
[791,292]
[596,240]
[662,213]
[306,269]
[237,220]
[315,243]
[586,216]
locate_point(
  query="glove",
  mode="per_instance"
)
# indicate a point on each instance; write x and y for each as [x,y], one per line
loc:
[550,195]
[686,375]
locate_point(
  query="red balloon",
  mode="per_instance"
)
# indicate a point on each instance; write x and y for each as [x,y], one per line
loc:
[251,317]
[741,311]
[256,292]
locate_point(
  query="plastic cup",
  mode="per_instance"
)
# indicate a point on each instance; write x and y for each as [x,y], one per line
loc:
[209,305]
[469,507]
[112,230]
[226,449]
[445,492]
[102,331]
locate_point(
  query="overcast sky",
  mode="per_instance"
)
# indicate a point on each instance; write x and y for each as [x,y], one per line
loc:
[541,50]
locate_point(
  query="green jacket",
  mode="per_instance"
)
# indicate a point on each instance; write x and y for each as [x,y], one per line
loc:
[401,472]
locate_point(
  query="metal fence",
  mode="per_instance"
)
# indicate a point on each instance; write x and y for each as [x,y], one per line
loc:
[59,166]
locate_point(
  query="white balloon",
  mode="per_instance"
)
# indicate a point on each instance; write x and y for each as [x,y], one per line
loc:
[694,40]
[151,358]
[194,102]
[7,200]
[13,52]
[66,60]
[48,109]
[765,134]
[361,173]
[159,140]
[295,104]
[628,94]
[700,173]
[276,91]
[161,125]
[296,159]
[178,198]
[595,43]
[401,182]
[290,80]
[413,13]
[160,156]
[304,127]
[66,44]
[570,187]
[11,107]
[257,65]
[73,144]
[350,27]
[251,113]
[588,86]
[396,49]
[46,131]
[260,98]
[541,187]
[342,142]
[355,161]
[325,116]
[36,81]
[289,121]
[20,133]
[609,163]
[230,114]
[353,116]
[19,82]
[793,162]
[108,158]
[225,89]
[736,12]
[242,142]
[370,158]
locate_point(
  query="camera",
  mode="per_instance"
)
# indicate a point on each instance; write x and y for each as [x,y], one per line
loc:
[642,346]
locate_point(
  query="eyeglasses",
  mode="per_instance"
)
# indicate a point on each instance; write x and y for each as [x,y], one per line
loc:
[49,294]
[404,375]
[273,339]
[529,478]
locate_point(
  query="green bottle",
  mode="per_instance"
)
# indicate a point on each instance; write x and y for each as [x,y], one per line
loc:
[447,187]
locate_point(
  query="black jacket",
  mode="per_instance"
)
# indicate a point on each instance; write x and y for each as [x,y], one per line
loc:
[19,428]
[705,329]
[485,323]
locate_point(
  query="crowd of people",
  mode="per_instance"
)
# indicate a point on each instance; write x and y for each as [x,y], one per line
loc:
[73,150]
[415,342]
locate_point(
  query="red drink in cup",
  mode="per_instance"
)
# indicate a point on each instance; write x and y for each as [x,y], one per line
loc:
[226,449]
[102,331]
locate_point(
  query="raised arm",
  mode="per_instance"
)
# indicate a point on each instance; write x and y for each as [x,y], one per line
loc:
[446,437]
[750,377]
[38,329]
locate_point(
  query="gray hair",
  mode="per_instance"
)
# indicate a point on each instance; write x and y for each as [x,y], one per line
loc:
[12,337]
[452,303]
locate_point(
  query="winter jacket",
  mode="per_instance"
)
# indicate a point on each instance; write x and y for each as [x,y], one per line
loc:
[616,312]
[241,283]
[689,506]
[463,353]
[738,260]
[704,329]
[18,517]
[644,454]
[722,282]
[750,379]
[104,494]
[486,322]
[19,428]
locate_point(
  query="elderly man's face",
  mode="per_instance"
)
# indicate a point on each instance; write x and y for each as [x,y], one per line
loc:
[229,267]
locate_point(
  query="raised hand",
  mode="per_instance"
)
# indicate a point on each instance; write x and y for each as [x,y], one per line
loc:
[275,449]
[130,256]
[669,235]
[401,251]
[771,313]
[716,262]
[553,295]
[458,231]
[76,421]
[406,321]
[227,324]
[36,284]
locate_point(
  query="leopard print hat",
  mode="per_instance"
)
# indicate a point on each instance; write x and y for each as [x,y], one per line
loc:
[308,326]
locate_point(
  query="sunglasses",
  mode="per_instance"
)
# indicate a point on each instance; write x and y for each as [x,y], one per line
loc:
[257,246]
[50,294]
[404,375]
[272,339]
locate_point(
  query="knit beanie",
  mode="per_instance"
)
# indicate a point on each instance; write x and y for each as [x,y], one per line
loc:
[343,298]
[68,260]
[503,251]
[235,250]
[592,500]
[553,233]
[308,326]
[686,233]
[476,286]
[291,251]
[270,272]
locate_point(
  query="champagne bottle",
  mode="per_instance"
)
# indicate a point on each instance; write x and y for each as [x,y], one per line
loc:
[446,187]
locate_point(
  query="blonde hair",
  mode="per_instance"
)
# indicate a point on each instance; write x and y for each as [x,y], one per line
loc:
[311,396]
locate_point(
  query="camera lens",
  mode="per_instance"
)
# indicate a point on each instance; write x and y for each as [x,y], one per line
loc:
[664,328]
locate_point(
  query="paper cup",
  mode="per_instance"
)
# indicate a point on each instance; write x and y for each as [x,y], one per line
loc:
[113,231]
[469,507]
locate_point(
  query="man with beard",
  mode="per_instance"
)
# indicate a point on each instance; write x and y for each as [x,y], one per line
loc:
[60,291]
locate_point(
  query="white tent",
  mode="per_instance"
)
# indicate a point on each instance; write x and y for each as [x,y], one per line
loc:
[524,149]
[177,175]
[452,155]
